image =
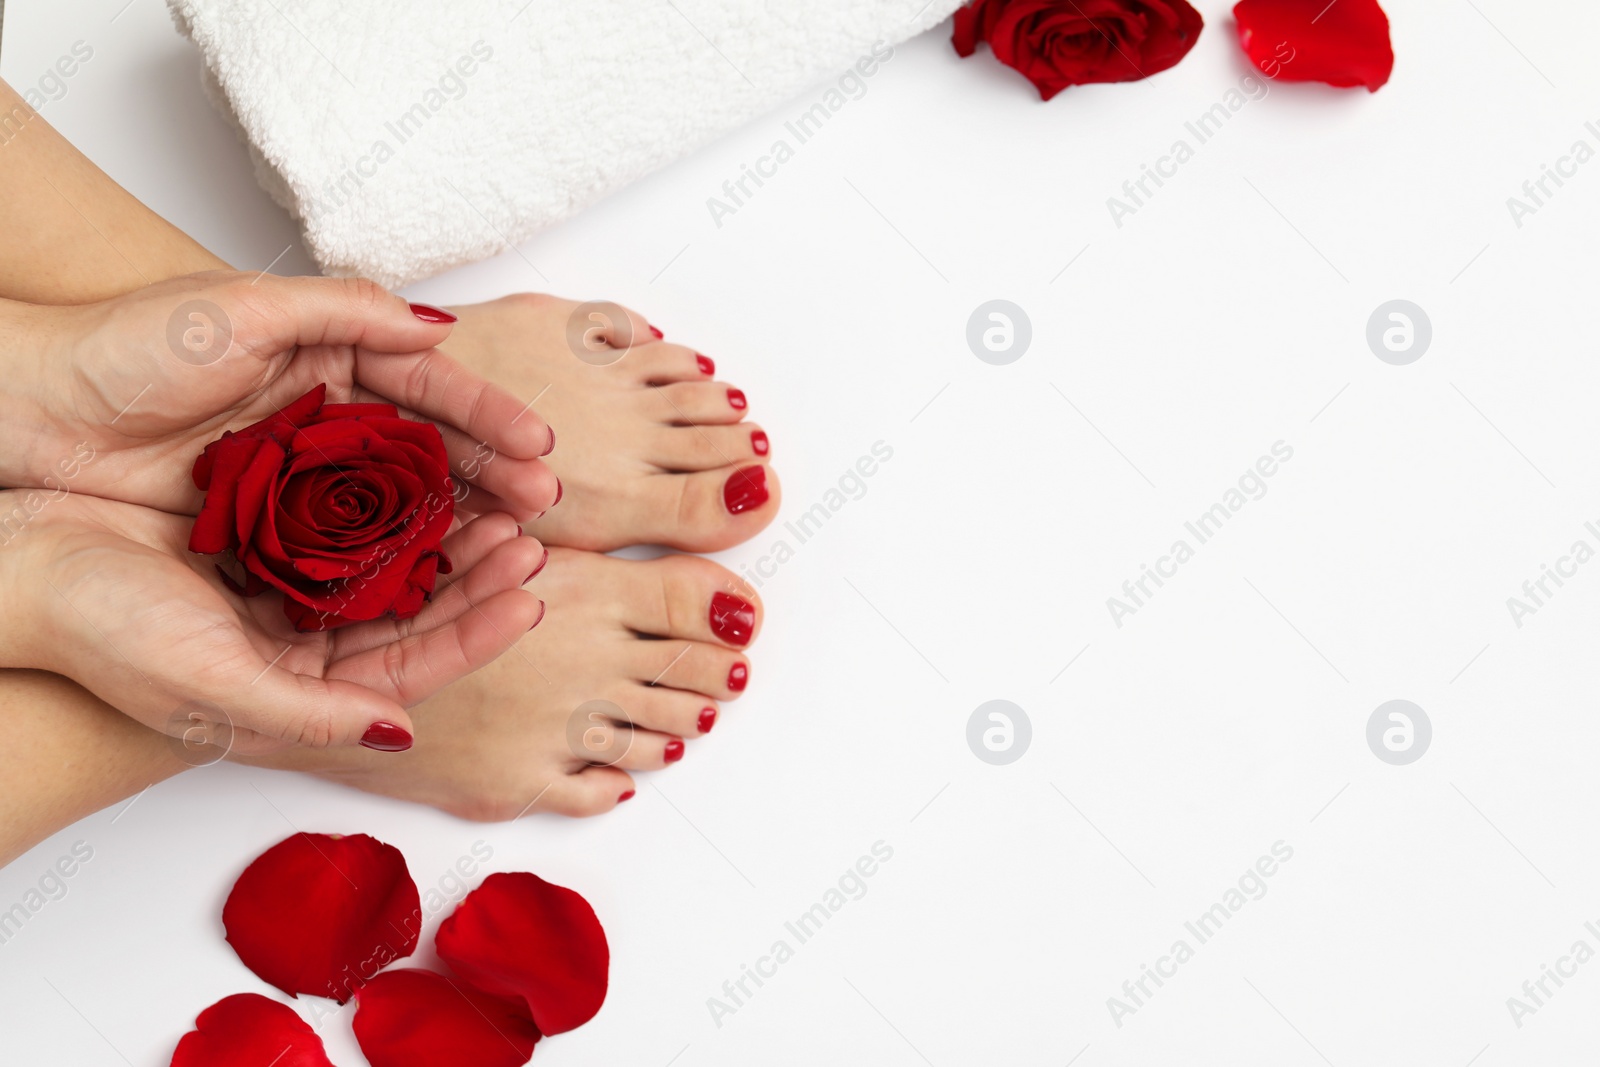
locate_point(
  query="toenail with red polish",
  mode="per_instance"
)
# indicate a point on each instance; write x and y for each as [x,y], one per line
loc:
[626,796]
[745,490]
[535,572]
[708,719]
[386,737]
[739,677]
[429,313]
[707,367]
[673,752]
[658,335]
[551,447]
[540,619]
[733,618]
[737,400]
[759,443]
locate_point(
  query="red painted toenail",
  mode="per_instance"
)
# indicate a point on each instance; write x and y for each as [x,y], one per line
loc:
[759,442]
[707,367]
[673,752]
[429,313]
[745,490]
[626,796]
[386,737]
[733,618]
[737,400]
[708,719]
[535,572]
[540,619]
[658,335]
[551,447]
[739,677]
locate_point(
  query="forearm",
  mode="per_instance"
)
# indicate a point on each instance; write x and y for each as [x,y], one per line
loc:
[67,755]
[72,235]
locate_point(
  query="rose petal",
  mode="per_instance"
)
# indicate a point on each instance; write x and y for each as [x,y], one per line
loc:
[248,1028]
[322,913]
[1343,44]
[520,937]
[413,1018]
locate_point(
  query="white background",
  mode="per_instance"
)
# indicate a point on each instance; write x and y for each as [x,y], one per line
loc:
[1229,313]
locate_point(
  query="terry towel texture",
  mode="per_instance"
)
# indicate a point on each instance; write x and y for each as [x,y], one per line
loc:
[412,136]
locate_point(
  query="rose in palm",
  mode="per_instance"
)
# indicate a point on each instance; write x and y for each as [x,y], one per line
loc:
[339,507]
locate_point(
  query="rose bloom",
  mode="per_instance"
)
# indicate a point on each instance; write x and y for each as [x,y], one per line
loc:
[1059,43]
[340,507]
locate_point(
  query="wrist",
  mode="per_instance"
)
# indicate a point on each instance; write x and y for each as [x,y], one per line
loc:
[29,621]
[37,454]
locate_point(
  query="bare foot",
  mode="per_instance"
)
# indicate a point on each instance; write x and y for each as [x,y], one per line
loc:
[632,661]
[650,449]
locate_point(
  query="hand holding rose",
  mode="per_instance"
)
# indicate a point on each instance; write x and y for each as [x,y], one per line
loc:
[147,380]
[340,507]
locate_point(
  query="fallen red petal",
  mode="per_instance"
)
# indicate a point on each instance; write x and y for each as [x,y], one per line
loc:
[323,913]
[248,1028]
[1344,43]
[414,1018]
[520,937]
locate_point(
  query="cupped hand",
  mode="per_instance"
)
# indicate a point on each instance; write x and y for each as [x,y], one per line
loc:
[107,593]
[117,399]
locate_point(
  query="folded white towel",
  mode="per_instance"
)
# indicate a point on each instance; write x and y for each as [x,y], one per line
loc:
[410,136]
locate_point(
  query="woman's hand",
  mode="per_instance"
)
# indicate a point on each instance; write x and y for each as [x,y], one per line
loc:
[117,399]
[108,594]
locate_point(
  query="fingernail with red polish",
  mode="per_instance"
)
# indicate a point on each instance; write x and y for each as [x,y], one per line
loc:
[745,490]
[707,367]
[737,400]
[540,619]
[733,618]
[708,719]
[535,572]
[658,335]
[759,443]
[428,313]
[673,752]
[386,737]
[559,491]
[519,530]
[626,796]
[551,447]
[739,677]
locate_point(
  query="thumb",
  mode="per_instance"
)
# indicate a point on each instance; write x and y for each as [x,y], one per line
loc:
[283,709]
[279,313]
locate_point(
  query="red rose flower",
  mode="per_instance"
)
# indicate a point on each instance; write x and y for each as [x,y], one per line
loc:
[249,1028]
[1059,43]
[340,507]
[323,913]
[1344,43]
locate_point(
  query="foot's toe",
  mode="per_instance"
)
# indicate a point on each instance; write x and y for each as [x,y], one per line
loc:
[707,511]
[709,670]
[590,791]
[650,750]
[661,364]
[699,403]
[689,599]
[670,711]
[700,448]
